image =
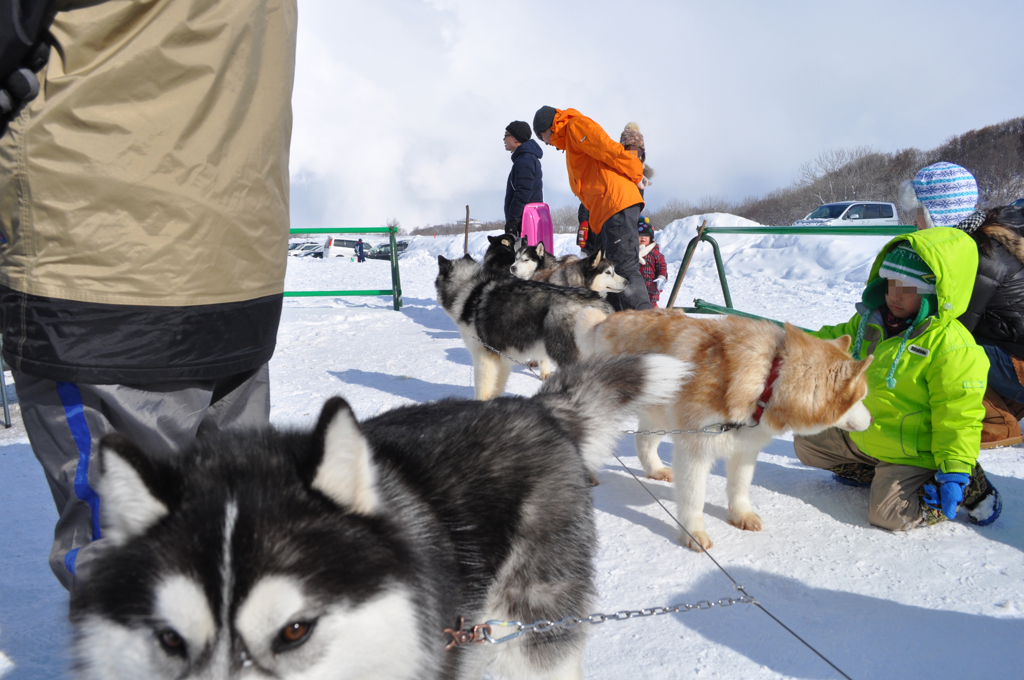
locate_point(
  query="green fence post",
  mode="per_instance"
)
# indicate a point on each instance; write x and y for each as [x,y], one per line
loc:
[396,281]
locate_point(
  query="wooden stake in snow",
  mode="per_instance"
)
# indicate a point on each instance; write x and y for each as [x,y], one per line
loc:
[465,245]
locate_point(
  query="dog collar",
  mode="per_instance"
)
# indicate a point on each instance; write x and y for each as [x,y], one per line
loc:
[762,401]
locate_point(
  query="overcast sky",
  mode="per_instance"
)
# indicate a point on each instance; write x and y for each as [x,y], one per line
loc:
[400,105]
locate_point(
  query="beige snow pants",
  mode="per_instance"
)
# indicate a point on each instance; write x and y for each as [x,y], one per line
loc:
[894,502]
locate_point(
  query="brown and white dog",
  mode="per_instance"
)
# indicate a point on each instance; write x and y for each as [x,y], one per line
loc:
[752,377]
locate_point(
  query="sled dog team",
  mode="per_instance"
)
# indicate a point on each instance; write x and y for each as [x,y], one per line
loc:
[360,549]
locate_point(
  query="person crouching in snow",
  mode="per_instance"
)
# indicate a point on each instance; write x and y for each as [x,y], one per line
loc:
[652,262]
[925,387]
[945,194]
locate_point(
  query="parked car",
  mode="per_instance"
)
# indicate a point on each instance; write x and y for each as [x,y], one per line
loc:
[302,249]
[383,251]
[1019,203]
[341,247]
[851,214]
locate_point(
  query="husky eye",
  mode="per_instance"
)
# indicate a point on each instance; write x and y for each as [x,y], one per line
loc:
[293,635]
[171,642]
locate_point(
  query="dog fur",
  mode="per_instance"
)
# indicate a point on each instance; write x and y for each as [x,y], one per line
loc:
[501,253]
[596,273]
[819,386]
[533,260]
[346,551]
[526,320]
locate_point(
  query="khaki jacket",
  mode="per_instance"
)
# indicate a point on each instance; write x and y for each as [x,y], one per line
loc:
[152,169]
[144,193]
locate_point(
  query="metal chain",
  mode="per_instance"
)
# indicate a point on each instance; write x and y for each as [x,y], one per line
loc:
[574,621]
[717,428]
[515,361]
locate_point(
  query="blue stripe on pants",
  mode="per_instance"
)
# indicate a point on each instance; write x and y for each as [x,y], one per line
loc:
[71,397]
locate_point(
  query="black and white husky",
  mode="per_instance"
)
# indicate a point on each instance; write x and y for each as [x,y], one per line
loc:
[501,252]
[596,273]
[525,320]
[347,551]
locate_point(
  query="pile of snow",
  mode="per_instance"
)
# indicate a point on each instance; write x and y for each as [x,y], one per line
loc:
[790,257]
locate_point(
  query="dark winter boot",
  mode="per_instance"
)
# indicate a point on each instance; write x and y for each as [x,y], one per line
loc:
[1000,426]
[981,500]
[853,474]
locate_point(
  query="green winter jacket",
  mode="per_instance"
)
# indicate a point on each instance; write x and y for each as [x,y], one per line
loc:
[931,417]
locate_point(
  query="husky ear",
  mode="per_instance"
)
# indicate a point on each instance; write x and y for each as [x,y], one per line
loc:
[842,342]
[444,265]
[864,365]
[540,249]
[134,491]
[598,256]
[469,257]
[346,473]
[494,239]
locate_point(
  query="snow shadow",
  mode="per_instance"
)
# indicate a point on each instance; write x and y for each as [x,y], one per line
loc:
[34,631]
[434,319]
[866,637]
[403,386]
[849,505]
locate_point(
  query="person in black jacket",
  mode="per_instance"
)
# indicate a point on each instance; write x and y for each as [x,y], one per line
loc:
[995,316]
[525,181]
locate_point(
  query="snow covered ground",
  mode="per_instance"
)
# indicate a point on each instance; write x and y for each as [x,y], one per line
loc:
[877,604]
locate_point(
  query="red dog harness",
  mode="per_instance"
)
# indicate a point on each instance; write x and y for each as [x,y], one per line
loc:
[762,401]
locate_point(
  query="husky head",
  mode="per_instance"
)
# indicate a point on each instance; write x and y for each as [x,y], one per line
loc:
[501,252]
[528,260]
[454,282]
[819,386]
[253,555]
[600,277]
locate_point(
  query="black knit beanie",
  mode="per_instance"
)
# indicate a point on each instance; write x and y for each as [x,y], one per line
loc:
[543,119]
[519,129]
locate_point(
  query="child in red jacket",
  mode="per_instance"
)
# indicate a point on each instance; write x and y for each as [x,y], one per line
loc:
[652,262]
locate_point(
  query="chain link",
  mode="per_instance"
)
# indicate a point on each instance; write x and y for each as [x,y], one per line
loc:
[484,633]
[513,360]
[717,428]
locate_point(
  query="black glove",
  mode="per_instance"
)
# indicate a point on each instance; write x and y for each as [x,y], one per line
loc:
[24,50]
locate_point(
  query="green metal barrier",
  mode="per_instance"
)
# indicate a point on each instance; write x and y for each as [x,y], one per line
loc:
[702,307]
[396,280]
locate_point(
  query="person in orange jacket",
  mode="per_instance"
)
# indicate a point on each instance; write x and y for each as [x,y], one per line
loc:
[604,176]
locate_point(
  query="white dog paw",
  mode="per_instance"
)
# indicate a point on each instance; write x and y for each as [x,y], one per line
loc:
[663,473]
[748,521]
[702,540]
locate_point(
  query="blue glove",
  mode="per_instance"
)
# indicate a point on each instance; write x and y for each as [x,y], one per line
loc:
[950,493]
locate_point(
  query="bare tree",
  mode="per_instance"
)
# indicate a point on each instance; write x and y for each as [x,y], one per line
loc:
[564,219]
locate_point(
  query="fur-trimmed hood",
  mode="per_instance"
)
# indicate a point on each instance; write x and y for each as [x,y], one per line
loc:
[1008,238]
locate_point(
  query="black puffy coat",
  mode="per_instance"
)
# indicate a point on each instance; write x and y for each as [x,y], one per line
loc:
[995,315]
[525,183]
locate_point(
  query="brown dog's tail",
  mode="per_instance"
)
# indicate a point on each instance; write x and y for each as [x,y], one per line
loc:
[587,331]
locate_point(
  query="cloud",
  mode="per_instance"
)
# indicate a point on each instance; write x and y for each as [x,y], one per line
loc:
[400,105]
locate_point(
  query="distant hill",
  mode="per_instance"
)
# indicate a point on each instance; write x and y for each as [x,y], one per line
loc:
[994,154]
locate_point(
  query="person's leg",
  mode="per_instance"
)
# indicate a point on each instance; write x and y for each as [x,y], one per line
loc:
[621,241]
[239,401]
[65,421]
[1000,426]
[833,450]
[895,502]
[1002,377]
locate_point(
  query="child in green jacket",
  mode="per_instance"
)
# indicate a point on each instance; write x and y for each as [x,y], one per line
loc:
[925,388]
